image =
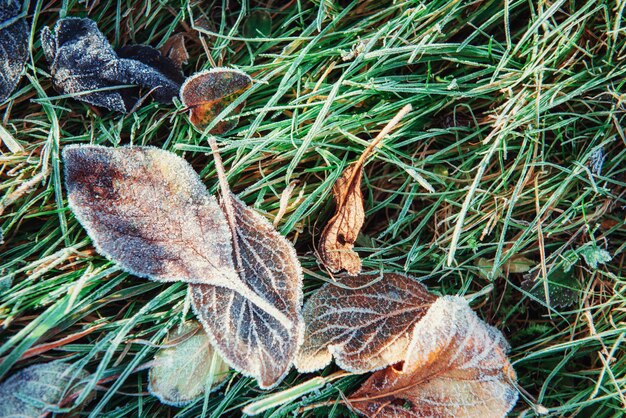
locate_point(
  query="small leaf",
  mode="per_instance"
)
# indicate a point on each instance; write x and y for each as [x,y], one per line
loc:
[563,288]
[83,64]
[208,93]
[174,49]
[184,369]
[14,35]
[338,237]
[258,24]
[257,326]
[455,366]
[38,389]
[364,326]
[148,210]
[594,255]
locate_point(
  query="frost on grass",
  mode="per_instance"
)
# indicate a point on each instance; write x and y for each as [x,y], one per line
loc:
[455,366]
[208,93]
[14,34]
[257,326]
[83,64]
[148,210]
[365,327]
[186,366]
[38,389]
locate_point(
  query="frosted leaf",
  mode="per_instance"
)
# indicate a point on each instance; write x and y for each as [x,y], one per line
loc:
[183,369]
[35,390]
[455,366]
[13,46]
[81,60]
[153,58]
[174,49]
[256,326]
[208,93]
[363,327]
[148,210]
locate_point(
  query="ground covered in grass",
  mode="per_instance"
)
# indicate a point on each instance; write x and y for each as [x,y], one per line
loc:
[517,125]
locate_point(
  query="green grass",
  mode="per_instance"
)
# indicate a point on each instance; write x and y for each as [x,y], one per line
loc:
[513,100]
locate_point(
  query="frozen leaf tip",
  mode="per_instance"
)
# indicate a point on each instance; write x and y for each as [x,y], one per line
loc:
[13,46]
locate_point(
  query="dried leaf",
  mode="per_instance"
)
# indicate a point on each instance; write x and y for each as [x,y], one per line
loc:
[82,60]
[38,389]
[208,93]
[174,49]
[148,210]
[455,366]
[183,370]
[364,327]
[338,237]
[257,327]
[14,35]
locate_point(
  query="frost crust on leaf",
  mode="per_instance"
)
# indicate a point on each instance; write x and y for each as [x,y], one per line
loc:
[364,327]
[82,60]
[147,209]
[257,327]
[455,366]
[182,369]
[13,46]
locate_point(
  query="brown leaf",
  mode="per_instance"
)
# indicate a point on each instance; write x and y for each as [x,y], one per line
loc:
[208,93]
[337,240]
[365,327]
[257,332]
[148,210]
[455,366]
[174,49]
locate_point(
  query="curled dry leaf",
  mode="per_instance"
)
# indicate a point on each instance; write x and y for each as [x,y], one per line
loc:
[338,237]
[148,210]
[83,63]
[186,366]
[174,49]
[13,46]
[38,389]
[363,326]
[455,366]
[258,333]
[208,93]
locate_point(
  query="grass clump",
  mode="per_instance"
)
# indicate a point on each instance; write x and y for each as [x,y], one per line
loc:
[517,125]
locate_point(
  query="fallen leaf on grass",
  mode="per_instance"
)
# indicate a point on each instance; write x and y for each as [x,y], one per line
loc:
[154,59]
[455,366]
[174,49]
[338,237]
[186,366]
[206,94]
[14,35]
[364,327]
[83,64]
[35,390]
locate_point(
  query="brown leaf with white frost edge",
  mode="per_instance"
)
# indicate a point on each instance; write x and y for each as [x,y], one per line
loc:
[185,366]
[147,210]
[455,366]
[363,326]
[258,331]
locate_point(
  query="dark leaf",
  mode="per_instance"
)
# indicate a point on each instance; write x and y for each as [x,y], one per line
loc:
[563,288]
[364,327]
[258,24]
[174,49]
[82,60]
[14,35]
[208,93]
[153,58]
[455,366]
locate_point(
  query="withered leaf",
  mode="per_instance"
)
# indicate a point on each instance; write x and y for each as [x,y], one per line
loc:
[13,46]
[337,240]
[39,389]
[83,64]
[364,327]
[148,210]
[153,58]
[338,237]
[208,93]
[174,49]
[257,327]
[455,366]
[186,366]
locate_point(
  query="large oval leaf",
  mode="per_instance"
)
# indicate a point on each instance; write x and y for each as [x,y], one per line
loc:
[13,46]
[186,366]
[257,326]
[364,326]
[148,210]
[455,366]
